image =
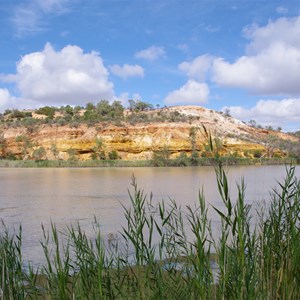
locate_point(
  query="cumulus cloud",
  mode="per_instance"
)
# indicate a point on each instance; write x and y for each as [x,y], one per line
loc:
[8,101]
[126,71]
[69,76]
[271,64]
[5,98]
[192,92]
[197,68]
[266,112]
[152,53]
[283,31]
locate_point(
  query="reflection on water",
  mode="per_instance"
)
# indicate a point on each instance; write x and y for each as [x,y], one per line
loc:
[64,196]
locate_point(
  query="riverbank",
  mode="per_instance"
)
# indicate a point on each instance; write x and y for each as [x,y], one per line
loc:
[145,163]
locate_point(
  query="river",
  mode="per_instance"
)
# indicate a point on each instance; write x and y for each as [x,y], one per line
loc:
[32,197]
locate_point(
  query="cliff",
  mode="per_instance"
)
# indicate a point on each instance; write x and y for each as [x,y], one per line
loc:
[140,140]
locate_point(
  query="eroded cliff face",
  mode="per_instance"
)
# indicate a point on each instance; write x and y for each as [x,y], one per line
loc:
[139,141]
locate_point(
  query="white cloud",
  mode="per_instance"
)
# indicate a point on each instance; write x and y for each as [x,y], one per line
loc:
[282,10]
[211,28]
[126,71]
[68,76]
[152,53]
[50,6]
[64,33]
[192,92]
[272,61]
[270,112]
[183,47]
[8,101]
[284,31]
[26,21]
[30,17]
[198,67]
[5,98]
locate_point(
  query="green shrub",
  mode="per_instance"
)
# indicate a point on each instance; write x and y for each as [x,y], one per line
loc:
[161,158]
[7,112]
[72,153]
[257,153]
[113,155]
[48,111]
[39,153]
[182,159]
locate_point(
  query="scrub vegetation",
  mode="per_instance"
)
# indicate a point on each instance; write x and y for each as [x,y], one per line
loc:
[103,111]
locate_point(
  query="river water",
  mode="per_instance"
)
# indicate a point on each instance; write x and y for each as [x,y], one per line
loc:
[32,197]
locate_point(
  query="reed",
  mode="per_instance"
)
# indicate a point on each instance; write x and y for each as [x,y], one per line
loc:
[168,252]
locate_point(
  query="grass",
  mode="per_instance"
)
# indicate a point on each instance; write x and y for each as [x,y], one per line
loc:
[72,163]
[204,161]
[165,252]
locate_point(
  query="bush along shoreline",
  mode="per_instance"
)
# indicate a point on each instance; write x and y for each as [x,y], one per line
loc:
[155,162]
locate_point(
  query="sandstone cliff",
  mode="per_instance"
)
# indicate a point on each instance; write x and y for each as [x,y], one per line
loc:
[139,141]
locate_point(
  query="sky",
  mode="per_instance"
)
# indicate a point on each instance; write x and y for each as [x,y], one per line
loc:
[242,56]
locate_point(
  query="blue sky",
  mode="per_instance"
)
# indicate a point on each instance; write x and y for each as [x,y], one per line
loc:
[241,55]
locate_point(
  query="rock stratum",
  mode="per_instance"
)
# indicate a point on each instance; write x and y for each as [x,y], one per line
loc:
[140,140]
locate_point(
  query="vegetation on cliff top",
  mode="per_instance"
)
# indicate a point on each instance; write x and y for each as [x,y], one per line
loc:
[114,113]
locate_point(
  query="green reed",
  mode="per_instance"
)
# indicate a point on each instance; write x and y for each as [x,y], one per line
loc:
[12,277]
[167,252]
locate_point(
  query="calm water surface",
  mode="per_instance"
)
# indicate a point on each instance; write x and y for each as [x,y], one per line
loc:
[64,196]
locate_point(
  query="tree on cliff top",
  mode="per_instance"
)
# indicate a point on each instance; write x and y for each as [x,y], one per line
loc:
[139,105]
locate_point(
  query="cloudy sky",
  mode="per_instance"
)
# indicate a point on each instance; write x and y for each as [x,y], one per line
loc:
[239,55]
